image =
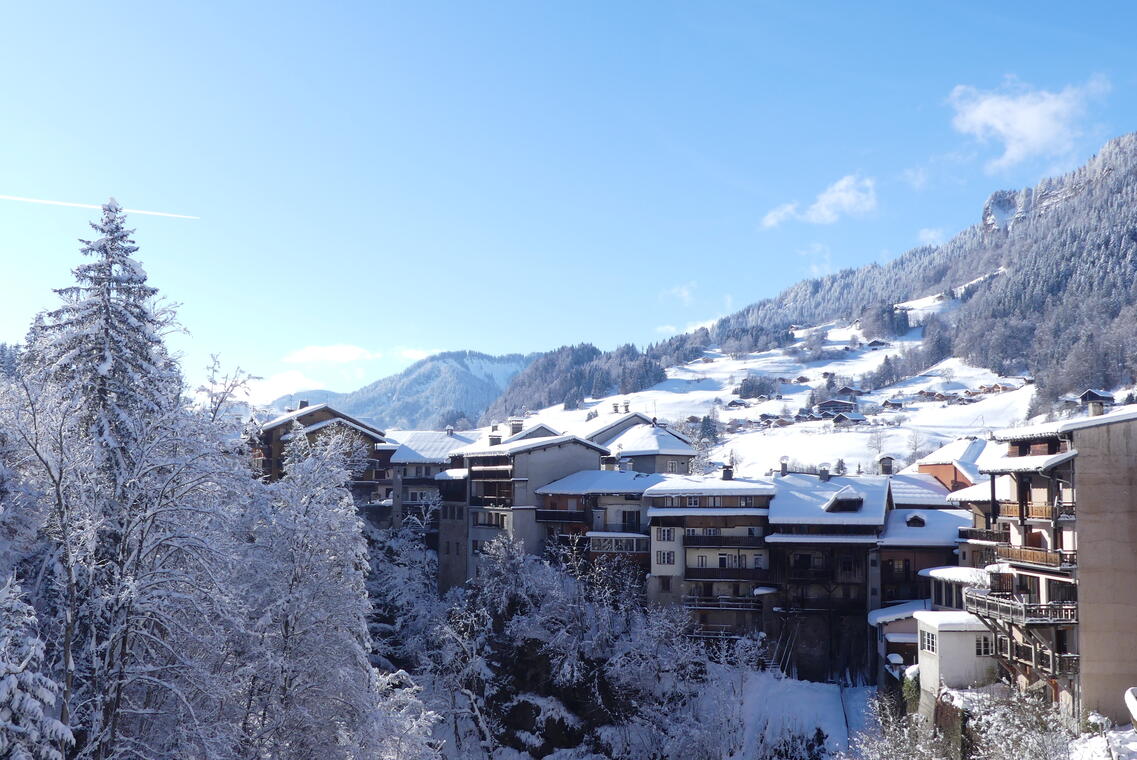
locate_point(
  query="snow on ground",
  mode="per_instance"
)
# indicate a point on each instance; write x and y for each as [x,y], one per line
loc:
[1119,743]
[775,706]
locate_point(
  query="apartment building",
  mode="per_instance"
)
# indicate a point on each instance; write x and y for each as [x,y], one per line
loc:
[370,486]
[1063,605]
[419,456]
[708,549]
[646,444]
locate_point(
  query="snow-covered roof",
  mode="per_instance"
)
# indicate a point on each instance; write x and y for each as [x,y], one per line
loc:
[454,473]
[711,485]
[602,481]
[961,449]
[1120,414]
[950,620]
[981,491]
[427,446]
[968,576]
[917,489]
[288,417]
[614,534]
[707,511]
[648,440]
[539,430]
[898,611]
[482,449]
[821,538]
[316,426]
[1033,463]
[806,499]
[940,527]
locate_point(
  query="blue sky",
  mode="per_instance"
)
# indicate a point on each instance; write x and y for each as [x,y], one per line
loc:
[378,181]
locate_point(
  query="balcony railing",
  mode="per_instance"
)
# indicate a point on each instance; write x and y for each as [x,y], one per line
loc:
[1057,664]
[715,632]
[1034,510]
[562,516]
[1033,556]
[727,574]
[1008,609]
[491,502]
[724,541]
[491,472]
[693,602]
[985,534]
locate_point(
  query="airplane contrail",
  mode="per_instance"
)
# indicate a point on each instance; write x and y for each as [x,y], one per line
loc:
[91,205]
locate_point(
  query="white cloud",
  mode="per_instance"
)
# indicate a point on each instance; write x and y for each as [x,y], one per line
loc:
[930,236]
[337,354]
[849,196]
[684,293]
[820,259]
[281,384]
[917,177]
[1028,122]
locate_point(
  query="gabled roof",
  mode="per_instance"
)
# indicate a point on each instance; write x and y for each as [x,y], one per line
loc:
[940,527]
[917,489]
[981,491]
[481,449]
[949,620]
[288,417]
[710,485]
[540,430]
[1051,429]
[897,611]
[1035,463]
[649,440]
[602,482]
[427,446]
[803,499]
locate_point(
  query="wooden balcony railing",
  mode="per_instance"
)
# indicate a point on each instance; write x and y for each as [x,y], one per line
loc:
[1033,556]
[1036,510]
[1006,608]
[1052,663]
[727,574]
[724,541]
[721,603]
[985,534]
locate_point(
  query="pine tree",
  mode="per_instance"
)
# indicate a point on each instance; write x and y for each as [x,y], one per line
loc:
[28,697]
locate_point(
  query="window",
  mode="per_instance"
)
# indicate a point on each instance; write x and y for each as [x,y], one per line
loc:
[702,561]
[759,563]
[741,562]
[692,501]
[691,532]
[712,531]
[418,470]
[984,647]
[714,501]
[672,465]
[665,534]
[664,558]
[928,641]
[665,583]
[746,501]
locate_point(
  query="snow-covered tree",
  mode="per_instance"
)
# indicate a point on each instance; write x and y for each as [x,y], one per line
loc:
[1019,726]
[29,726]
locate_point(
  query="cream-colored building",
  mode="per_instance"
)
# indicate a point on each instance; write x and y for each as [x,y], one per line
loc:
[1063,602]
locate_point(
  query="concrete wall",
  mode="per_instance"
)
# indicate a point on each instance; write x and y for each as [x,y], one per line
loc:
[455,533]
[1106,469]
[533,469]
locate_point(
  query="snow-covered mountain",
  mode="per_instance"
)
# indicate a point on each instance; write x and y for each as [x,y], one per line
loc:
[441,390]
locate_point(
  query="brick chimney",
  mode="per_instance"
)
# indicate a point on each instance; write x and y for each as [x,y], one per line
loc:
[785,465]
[1097,408]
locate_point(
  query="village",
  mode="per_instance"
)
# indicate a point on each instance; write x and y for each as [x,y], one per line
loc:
[953,572]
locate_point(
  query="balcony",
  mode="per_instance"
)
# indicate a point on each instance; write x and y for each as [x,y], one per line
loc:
[715,632]
[1033,510]
[1040,658]
[561,516]
[724,541]
[1010,610]
[1041,557]
[809,574]
[744,603]
[491,472]
[491,502]
[985,534]
[727,574]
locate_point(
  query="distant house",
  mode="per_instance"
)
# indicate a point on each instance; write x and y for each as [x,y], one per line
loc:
[737,404]
[801,380]
[892,404]
[848,418]
[1094,394]
[848,390]
[876,343]
[834,406]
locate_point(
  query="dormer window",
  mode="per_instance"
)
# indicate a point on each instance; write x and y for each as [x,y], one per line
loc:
[915,521]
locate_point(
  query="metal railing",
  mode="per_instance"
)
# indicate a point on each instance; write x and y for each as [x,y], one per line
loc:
[727,574]
[985,534]
[562,515]
[1006,608]
[721,603]
[724,541]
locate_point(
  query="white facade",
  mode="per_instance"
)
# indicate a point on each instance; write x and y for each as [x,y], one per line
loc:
[955,650]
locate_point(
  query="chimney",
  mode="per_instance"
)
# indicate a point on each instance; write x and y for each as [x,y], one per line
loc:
[823,472]
[515,426]
[885,465]
[607,463]
[654,422]
[303,403]
[449,431]
[625,464]
[615,407]
[785,466]
[627,407]
[495,440]
[493,428]
[1097,408]
[727,472]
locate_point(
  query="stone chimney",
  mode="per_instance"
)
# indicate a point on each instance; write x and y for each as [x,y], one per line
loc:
[823,472]
[495,439]
[515,426]
[302,404]
[785,466]
[1097,408]
[727,472]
